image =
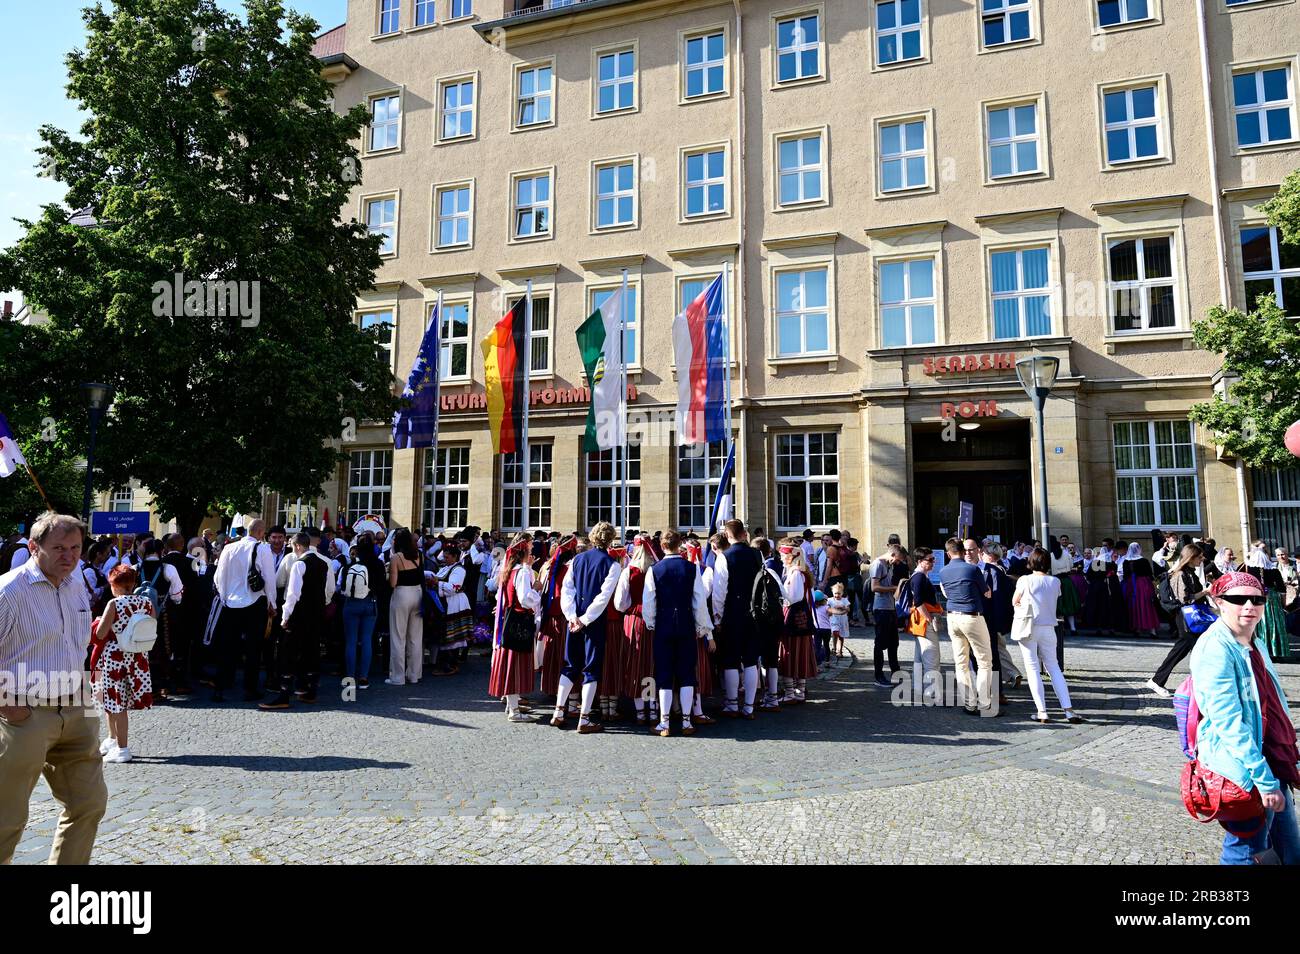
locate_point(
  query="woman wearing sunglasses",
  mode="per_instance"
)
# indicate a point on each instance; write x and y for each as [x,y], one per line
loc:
[1245,733]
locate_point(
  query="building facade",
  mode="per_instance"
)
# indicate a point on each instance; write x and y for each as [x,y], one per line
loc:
[903,197]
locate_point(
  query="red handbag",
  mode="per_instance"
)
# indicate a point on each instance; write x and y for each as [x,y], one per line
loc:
[1208,796]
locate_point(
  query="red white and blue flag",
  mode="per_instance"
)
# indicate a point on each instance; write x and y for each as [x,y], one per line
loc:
[11,455]
[700,349]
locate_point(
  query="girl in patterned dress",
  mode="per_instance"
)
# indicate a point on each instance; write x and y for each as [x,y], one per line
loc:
[798,660]
[638,643]
[120,679]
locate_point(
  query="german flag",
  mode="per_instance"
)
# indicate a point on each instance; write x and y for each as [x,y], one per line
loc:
[504,365]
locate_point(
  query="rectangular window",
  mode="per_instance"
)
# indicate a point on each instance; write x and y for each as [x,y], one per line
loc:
[605,484]
[1277,506]
[534,96]
[1132,124]
[426,12]
[802,315]
[381,219]
[383,322]
[706,58]
[1141,283]
[699,471]
[1013,140]
[706,182]
[1155,474]
[1116,12]
[390,16]
[1271,268]
[907,303]
[539,489]
[798,48]
[615,81]
[385,114]
[457,109]
[453,338]
[904,160]
[631,323]
[1005,21]
[807,481]
[898,31]
[296,515]
[532,205]
[453,216]
[446,499]
[800,169]
[123,500]
[370,483]
[1022,303]
[461,8]
[540,339]
[615,195]
[1264,106]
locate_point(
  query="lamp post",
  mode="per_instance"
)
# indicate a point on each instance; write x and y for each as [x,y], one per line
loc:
[99,397]
[1037,375]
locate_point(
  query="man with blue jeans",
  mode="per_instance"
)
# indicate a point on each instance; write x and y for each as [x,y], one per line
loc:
[964,590]
[883,612]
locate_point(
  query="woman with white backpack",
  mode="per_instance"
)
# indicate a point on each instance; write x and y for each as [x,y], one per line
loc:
[359,585]
[1033,627]
[120,676]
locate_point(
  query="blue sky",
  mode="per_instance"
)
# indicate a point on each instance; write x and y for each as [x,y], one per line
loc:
[37,37]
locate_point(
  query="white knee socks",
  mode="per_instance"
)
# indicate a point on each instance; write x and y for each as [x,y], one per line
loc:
[566,687]
[512,702]
[730,686]
[588,697]
[773,675]
[665,705]
[751,685]
[687,694]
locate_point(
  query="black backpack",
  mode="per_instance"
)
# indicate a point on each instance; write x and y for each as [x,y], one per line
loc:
[765,602]
[7,555]
[1165,594]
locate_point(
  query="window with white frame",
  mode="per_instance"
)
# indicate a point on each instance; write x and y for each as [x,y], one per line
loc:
[615,195]
[807,481]
[385,115]
[1013,133]
[798,47]
[631,323]
[461,8]
[426,12]
[705,64]
[706,181]
[532,205]
[453,340]
[898,31]
[904,158]
[1005,21]
[457,109]
[296,514]
[1263,103]
[370,483]
[699,472]
[446,493]
[1155,474]
[390,16]
[539,489]
[692,288]
[534,95]
[615,81]
[540,336]
[1141,283]
[604,470]
[453,219]
[1276,498]
[1022,300]
[1132,124]
[1270,267]
[907,302]
[381,219]
[801,165]
[802,313]
[1241,3]
[1118,12]
[123,500]
[383,322]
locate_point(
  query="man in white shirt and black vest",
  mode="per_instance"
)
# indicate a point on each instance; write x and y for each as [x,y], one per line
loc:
[245,583]
[302,623]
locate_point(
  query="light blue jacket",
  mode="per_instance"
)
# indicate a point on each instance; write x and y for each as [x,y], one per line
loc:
[1230,737]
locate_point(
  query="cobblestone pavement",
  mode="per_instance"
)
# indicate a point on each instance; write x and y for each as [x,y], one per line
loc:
[433,772]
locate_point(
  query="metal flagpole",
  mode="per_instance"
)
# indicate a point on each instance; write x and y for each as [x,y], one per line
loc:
[528,367]
[622,401]
[437,409]
[726,376]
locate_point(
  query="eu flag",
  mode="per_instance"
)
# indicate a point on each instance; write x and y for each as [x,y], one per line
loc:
[416,423]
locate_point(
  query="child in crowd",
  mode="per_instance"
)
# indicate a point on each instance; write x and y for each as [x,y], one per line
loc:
[822,620]
[120,679]
[837,609]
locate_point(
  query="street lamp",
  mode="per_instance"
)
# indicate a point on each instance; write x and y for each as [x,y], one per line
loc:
[1037,375]
[99,397]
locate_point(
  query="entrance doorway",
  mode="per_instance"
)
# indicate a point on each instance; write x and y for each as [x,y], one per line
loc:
[987,468]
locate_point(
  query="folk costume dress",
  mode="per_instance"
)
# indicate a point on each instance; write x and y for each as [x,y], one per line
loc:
[798,655]
[638,653]
[121,680]
[555,627]
[460,615]
[1069,603]
[513,670]
[611,672]
[1272,628]
[1140,591]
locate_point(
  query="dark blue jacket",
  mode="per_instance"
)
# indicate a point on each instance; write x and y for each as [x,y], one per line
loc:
[674,598]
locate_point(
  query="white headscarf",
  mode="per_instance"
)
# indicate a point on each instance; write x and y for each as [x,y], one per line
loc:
[1259,558]
[1134,551]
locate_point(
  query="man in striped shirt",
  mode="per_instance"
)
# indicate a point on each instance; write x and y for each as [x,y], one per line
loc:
[45,725]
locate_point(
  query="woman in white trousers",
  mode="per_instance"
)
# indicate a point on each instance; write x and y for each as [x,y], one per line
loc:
[1034,628]
[405,624]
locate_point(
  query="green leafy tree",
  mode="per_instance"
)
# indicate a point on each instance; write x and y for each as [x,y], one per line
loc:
[1261,361]
[210,175]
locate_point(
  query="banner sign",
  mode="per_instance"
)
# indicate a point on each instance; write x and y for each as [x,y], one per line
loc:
[124,521]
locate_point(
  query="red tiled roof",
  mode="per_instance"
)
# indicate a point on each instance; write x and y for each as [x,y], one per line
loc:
[329,43]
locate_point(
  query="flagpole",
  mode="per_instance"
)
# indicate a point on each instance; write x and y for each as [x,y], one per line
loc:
[437,409]
[622,400]
[32,474]
[528,367]
[726,377]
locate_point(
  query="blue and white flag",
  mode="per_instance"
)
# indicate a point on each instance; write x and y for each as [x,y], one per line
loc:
[723,505]
[11,455]
[416,423]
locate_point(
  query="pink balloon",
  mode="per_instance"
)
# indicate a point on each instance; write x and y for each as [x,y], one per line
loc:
[1293,438]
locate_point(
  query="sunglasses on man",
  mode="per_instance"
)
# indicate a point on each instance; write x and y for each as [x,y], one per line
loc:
[1243,598]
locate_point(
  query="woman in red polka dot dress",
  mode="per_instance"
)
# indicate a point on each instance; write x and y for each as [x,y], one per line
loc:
[121,680]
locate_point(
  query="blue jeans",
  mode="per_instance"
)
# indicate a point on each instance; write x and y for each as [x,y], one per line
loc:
[1279,832]
[358,628]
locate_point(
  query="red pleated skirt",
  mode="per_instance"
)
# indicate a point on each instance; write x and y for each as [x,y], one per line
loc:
[512,673]
[1141,596]
[611,670]
[554,630]
[798,658]
[703,669]
[638,656]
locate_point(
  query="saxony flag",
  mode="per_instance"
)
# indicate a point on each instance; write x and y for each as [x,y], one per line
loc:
[600,343]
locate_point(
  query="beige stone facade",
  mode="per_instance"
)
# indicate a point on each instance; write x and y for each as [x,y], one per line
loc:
[939,198]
